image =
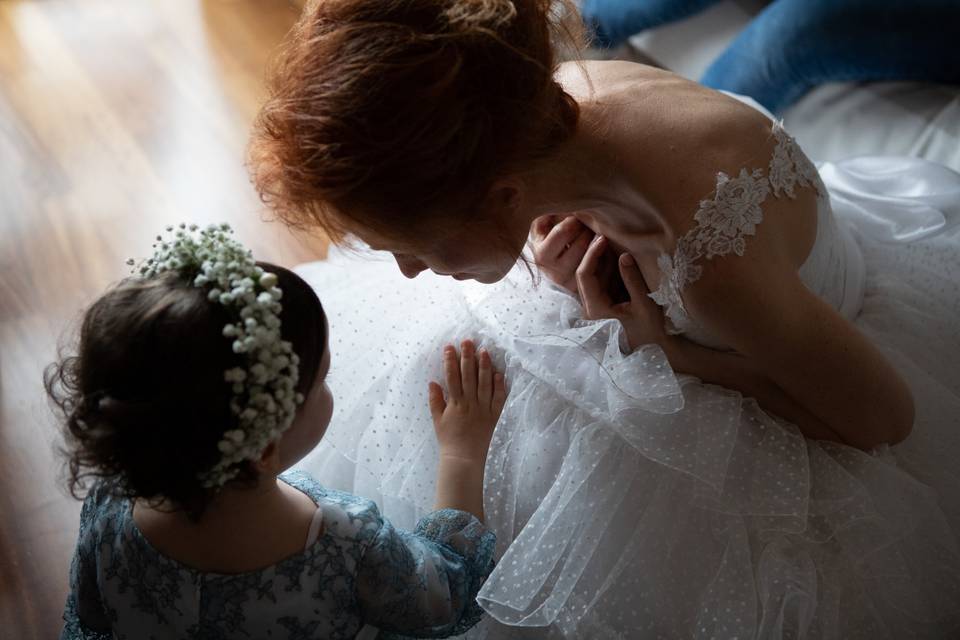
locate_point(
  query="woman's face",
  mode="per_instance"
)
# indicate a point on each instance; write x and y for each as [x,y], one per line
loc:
[484,251]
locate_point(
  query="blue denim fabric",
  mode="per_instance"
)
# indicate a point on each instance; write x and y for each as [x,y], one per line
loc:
[795,45]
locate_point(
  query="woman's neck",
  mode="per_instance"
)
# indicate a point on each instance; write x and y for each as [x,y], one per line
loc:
[589,178]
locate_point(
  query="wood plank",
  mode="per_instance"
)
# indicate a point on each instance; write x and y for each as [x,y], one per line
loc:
[116,119]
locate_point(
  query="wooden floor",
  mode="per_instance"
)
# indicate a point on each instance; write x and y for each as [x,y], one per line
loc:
[117,117]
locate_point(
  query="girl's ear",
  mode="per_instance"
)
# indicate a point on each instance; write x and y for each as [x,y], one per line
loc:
[262,464]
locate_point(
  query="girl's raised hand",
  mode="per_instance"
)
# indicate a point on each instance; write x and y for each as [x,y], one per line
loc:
[476,392]
[640,316]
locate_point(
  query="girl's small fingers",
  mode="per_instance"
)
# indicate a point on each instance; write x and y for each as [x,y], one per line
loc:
[485,378]
[468,369]
[499,392]
[451,372]
[436,401]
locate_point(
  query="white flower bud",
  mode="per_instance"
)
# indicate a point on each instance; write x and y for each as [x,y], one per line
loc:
[268,280]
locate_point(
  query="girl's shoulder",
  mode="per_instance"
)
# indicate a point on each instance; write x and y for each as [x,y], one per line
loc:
[345,516]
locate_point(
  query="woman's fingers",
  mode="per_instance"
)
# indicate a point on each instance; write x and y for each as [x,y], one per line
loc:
[484,378]
[633,279]
[575,251]
[542,226]
[559,239]
[451,372]
[437,403]
[593,295]
[468,369]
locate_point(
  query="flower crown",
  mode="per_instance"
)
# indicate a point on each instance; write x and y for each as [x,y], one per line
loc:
[264,389]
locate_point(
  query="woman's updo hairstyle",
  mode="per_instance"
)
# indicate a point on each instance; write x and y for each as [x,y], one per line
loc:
[398,115]
[143,400]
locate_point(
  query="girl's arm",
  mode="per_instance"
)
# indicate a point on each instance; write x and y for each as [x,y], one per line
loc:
[425,583]
[84,616]
[464,422]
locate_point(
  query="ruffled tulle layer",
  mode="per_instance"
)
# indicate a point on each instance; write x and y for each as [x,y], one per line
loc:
[630,501]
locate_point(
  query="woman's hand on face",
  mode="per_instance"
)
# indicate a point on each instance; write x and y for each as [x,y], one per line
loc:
[559,245]
[476,392]
[640,316]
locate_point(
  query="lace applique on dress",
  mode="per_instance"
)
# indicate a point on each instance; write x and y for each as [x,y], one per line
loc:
[724,222]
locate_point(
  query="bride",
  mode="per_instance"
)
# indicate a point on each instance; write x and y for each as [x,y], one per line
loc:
[735,407]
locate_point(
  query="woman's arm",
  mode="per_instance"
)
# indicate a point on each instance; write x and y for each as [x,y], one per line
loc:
[734,371]
[797,356]
[799,344]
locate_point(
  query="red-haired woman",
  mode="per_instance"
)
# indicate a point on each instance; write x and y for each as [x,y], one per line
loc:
[735,402]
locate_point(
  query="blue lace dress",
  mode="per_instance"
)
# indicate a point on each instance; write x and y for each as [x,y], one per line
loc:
[360,573]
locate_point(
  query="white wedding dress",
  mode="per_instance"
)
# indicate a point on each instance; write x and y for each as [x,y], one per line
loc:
[633,502]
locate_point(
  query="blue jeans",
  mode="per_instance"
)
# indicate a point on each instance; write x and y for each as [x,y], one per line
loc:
[794,45]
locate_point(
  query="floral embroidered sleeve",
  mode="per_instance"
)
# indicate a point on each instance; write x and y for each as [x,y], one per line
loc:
[424,584]
[84,616]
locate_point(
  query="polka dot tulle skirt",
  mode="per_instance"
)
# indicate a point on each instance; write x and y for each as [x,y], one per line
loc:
[630,501]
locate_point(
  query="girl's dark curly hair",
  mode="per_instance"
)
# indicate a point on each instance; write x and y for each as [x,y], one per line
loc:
[143,398]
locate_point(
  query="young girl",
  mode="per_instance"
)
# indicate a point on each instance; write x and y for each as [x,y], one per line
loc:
[194,385]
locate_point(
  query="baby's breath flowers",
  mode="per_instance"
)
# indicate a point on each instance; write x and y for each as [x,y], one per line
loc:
[264,389]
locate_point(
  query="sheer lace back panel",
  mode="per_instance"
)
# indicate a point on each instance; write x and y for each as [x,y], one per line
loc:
[833,269]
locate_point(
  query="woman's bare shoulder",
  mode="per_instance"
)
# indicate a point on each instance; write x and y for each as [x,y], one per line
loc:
[674,134]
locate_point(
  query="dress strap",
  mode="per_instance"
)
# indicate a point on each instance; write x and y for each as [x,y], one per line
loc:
[724,222]
[314,532]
